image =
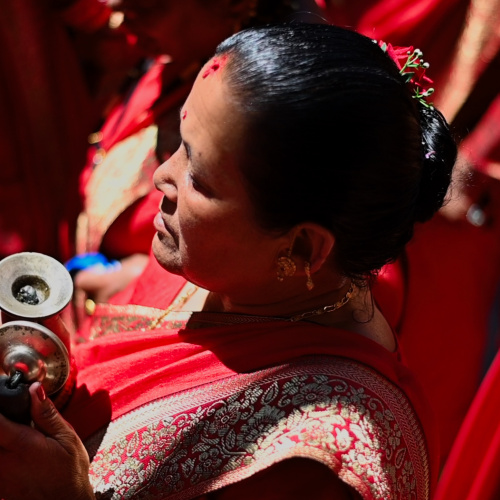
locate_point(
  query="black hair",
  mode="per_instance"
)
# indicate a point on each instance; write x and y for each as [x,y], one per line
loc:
[334,137]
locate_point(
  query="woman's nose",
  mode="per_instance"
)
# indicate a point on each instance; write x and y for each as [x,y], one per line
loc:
[165,180]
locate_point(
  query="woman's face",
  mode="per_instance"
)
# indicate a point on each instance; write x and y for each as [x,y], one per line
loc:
[206,229]
[186,30]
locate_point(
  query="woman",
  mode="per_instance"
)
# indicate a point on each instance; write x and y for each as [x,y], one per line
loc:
[271,372]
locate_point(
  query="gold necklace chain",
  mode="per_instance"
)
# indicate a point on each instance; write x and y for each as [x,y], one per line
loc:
[189,291]
[325,309]
[224,318]
[218,317]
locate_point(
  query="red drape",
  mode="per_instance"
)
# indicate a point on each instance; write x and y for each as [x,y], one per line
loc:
[431,25]
[44,122]
[472,471]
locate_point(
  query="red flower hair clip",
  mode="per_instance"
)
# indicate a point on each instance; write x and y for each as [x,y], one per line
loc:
[412,67]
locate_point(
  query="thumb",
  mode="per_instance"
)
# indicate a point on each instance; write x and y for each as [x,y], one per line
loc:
[46,417]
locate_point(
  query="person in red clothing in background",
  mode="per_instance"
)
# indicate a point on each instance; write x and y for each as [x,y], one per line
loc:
[44,119]
[49,103]
[459,249]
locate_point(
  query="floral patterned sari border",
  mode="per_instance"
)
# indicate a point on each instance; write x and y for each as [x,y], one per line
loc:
[368,407]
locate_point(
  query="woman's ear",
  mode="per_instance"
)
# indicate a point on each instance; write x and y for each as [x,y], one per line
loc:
[313,243]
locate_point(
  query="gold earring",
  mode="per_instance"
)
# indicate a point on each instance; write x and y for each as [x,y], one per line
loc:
[309,282]
[286,267]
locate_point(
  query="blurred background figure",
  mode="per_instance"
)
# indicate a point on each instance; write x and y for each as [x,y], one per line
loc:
[51,99]
[460,248]
[44,120]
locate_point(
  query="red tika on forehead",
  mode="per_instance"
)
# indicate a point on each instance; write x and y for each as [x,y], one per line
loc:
[184,114]
[215,64]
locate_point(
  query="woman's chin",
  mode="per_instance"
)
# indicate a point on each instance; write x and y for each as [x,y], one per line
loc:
[166,257]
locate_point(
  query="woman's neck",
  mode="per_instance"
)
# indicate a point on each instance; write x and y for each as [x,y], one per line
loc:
[280,300]
[359,314]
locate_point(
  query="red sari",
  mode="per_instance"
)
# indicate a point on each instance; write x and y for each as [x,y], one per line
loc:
[196,409]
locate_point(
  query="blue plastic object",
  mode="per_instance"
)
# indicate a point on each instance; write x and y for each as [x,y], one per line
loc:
[97,261]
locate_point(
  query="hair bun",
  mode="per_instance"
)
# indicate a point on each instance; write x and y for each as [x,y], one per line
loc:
[440,153]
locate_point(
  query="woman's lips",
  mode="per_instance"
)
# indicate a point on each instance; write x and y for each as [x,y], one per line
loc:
[159,224]
[163,230]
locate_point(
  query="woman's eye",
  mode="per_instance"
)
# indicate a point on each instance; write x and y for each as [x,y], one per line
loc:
[197,186]
[187,150]
[194,182]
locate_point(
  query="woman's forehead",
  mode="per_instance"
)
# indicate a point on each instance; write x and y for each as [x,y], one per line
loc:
[211,122]
[210,97]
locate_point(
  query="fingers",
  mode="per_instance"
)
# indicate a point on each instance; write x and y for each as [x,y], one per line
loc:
[47,419]
[90,281]
[100,286]
[135,263]
[45,462]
